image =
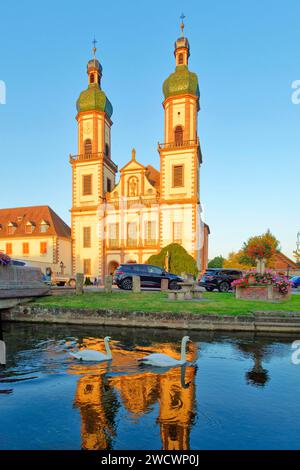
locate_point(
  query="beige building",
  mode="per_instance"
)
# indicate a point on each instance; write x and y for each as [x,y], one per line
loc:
[38,236]
[146,209]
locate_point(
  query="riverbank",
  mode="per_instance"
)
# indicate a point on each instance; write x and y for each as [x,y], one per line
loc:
[216,312]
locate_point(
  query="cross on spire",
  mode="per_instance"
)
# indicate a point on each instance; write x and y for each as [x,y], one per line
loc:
[182,17]
[94,48]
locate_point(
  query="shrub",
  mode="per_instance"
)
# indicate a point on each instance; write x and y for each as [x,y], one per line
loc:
[179,260]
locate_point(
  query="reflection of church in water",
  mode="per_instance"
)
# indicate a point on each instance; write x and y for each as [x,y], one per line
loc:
[98,397]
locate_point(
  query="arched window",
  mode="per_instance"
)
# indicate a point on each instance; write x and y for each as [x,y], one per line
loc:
[107,150]
[92,78]
[180,59]
[178,135]
[87,147]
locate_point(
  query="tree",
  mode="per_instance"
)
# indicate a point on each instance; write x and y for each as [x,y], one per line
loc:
[216,262]
[234,261]
[259,247]
[178,259]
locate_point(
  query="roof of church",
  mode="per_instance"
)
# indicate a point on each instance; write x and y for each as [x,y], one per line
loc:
[180,82]
[153,176]
[94,99]
[19,217]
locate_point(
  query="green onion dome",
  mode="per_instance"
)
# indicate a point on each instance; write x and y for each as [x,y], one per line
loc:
[94,99]
[180,82]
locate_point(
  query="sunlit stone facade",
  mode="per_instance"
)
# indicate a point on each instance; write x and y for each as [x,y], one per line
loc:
[129,220]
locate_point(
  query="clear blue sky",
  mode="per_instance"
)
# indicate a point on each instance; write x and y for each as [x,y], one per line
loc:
[246,55]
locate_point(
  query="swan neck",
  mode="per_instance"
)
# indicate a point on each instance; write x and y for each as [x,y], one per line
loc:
[183,350]
[107,349]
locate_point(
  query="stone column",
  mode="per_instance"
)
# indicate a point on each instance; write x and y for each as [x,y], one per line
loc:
[136,283]
[79,283]
[108,284]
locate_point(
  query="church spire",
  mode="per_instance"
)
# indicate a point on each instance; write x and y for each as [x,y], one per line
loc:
[182,47]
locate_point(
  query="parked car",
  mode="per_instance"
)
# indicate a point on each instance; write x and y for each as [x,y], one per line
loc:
[295,280]
[150,276]
[219,278]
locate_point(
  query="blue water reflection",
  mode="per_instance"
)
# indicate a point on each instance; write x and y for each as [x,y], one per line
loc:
[238,392]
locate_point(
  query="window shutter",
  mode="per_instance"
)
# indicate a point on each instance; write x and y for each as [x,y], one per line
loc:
[87,185]
[86,237]
[177,176]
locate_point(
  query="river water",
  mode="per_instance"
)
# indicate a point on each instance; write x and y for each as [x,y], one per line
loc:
[238,391]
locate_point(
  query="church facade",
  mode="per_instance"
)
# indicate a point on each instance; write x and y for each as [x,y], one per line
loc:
[146,210]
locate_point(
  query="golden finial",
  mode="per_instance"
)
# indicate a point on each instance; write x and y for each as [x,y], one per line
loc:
[94,48]
[182,24]
[133,153]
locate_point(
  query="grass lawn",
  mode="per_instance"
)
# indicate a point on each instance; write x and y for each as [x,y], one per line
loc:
[215,302]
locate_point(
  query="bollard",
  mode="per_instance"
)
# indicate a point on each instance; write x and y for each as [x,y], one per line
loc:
[136,283]
[164,284]
[108,284]
[79,283]
[2,353]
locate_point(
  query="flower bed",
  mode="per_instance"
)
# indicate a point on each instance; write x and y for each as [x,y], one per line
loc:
[267,286]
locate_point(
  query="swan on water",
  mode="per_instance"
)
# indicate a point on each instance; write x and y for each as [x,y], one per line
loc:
[92,355]
[163,360]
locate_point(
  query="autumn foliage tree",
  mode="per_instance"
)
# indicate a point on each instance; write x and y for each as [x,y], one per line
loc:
[258,247]
[234,261]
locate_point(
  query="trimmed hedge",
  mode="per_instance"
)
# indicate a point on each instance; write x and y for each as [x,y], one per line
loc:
[179,260]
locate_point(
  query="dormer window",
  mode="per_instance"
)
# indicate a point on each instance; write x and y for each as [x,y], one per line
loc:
[11,228]
[44,226]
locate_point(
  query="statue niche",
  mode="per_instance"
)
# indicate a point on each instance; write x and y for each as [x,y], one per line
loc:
[133,186]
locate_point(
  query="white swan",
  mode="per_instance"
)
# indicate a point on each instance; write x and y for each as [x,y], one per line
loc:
[163,360]
[92,355]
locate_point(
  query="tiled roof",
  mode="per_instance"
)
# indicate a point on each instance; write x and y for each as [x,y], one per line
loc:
[283,260]
[153,176]
[20,216]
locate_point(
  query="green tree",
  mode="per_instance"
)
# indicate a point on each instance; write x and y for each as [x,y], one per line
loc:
[178,259]
[216,262]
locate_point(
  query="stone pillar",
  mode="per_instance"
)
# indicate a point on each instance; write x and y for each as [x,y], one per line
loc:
[136,283]
[108,284]
[164,284]
[79,283]
[2,353]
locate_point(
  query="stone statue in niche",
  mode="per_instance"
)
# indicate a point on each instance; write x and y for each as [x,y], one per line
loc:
[133,187]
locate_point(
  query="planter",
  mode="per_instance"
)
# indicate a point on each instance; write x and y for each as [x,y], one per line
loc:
[263,293]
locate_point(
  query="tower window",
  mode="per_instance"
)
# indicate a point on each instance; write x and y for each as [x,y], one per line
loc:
[87,147]
[92,78]
[87,185]
[107,150]
[177,176]
[180,59]
[178,135]
[177,232]
[86,237]
[108,185]
[87,267]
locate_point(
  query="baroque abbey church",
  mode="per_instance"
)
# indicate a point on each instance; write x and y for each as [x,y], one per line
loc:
[129,220]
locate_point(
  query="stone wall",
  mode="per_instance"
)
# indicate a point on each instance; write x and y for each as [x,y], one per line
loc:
[277,322]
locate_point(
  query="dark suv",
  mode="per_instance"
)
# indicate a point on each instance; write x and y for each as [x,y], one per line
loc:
[150,276]
[219,278]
